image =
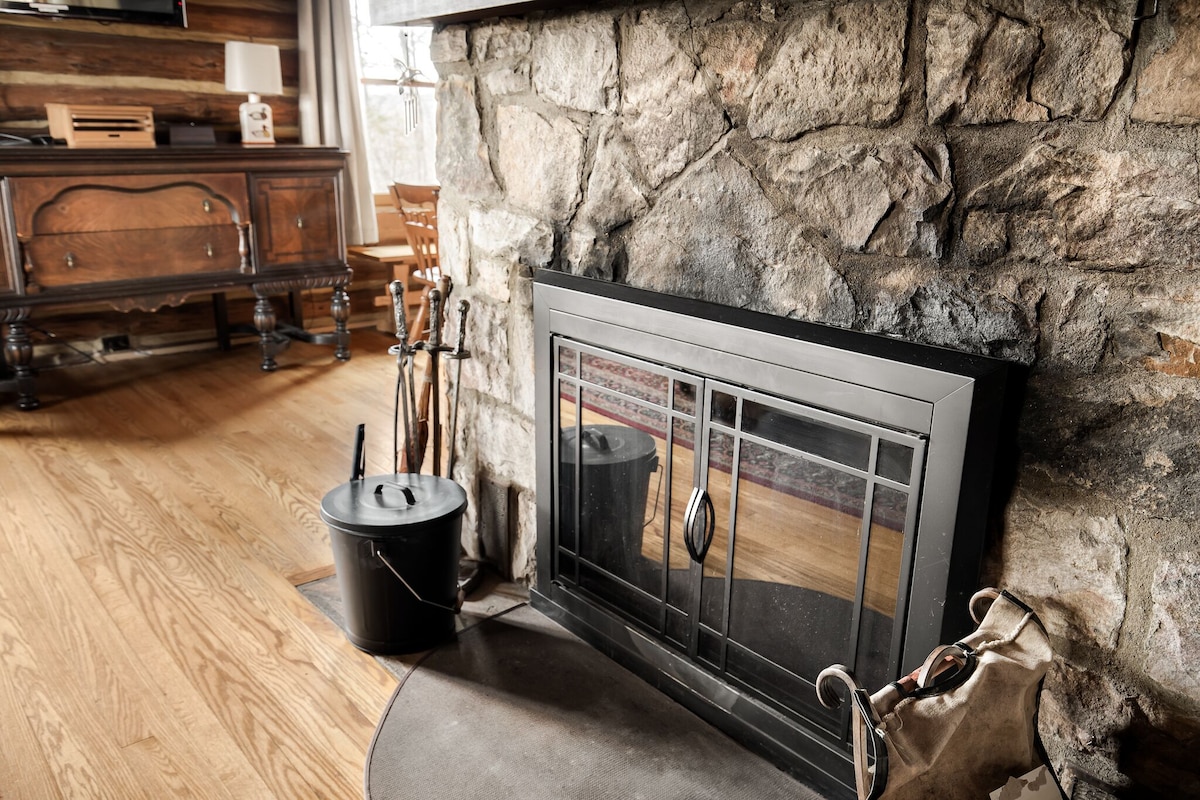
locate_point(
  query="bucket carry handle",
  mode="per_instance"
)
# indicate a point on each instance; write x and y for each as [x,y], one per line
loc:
[657,492]
[458,600]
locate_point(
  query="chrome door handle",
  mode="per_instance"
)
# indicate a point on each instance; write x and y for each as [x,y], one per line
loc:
[699,524]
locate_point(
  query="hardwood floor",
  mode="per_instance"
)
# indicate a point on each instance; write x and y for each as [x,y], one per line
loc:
[155,515]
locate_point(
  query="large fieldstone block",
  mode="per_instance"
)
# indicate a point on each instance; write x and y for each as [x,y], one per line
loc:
[1068,563]
[1028,62]
[501,41]
[506,242]
[715,235]
[575,62]
[463,160]
[616,192]
[915,304]
[978,65]
[667,112]
[539,160]
[1168,88]
[1173,645]
[1109,209]
[839,64]
[886,199]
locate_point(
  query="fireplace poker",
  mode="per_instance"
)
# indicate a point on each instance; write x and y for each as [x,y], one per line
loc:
[403,388]
[457,355]
[433,348]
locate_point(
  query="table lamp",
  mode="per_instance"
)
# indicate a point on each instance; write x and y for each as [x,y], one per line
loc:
[254,69]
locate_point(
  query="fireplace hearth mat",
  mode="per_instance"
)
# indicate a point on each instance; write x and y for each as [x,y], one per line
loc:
[517,707]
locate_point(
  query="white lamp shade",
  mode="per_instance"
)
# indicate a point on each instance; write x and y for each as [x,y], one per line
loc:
[252,68]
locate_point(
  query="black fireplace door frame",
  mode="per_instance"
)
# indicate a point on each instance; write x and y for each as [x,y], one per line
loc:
[951,404]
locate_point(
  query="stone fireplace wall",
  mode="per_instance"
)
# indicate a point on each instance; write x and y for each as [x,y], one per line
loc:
[1018,179]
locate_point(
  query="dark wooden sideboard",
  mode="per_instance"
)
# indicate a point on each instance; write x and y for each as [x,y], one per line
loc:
[143,229]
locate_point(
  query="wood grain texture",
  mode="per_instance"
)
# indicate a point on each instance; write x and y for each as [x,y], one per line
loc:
[179,72]
[153,515]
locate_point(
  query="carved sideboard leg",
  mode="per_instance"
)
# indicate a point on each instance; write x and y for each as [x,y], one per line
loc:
[339,309]
[264,321]
[18,352]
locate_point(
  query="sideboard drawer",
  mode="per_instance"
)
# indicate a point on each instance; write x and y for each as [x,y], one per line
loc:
[55,204]
[298,220]
[74,259]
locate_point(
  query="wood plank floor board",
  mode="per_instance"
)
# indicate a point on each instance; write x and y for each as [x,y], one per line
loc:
[77,735]
[196,741]
[180,573]
[25,769]
[156,511]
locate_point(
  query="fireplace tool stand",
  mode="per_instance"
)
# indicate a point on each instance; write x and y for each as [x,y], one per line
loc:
[422,416]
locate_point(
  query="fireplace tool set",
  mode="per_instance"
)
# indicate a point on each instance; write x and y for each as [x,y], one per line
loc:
[397,538]
[422,420]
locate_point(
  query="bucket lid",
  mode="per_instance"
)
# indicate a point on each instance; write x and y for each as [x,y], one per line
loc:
[373,506]
[608,444]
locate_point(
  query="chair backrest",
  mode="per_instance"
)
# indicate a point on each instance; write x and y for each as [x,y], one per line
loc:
[423,238]
[415,202]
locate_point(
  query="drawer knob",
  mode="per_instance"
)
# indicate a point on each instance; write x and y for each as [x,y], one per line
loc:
[208,249]
[299,221]
[207,206]
[70,259]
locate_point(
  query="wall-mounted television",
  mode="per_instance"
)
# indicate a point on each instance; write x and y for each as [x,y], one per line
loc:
[157,12]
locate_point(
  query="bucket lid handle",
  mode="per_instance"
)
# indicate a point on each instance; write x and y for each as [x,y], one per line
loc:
[408,495]
[595,438]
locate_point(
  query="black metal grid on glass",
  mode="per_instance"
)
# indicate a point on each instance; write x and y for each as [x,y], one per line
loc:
[812,516]
[615,420]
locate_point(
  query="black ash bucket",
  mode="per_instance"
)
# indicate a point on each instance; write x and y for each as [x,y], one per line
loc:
[617,462]
[396,549]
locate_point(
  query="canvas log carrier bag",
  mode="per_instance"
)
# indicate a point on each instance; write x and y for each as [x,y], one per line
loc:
[962,724]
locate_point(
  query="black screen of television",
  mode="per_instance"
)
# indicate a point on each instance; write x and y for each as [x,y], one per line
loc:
[169,12]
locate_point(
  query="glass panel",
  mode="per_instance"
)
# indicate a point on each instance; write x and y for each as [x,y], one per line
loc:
[633,604]
[567,406]
[780,686]
[724,408]
[710,647]
[683,460]
[685,398]
[885,551]
[625,379]
[796,559]
[618,491]
[720,485]
[567,566]
[842,445]
[566,361]
[678,627]
[895,461]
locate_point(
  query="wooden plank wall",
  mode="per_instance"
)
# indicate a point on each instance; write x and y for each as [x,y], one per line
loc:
[178,72]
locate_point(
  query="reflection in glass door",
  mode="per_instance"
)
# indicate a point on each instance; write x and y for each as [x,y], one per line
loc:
[626,436]
[812,514]
[778,547]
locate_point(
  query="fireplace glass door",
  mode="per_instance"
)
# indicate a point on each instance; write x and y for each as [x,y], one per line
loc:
[761,538]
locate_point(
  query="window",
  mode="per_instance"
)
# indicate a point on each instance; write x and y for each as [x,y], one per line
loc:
[398,101]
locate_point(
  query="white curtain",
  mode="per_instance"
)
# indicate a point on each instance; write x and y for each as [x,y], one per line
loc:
[330,108]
